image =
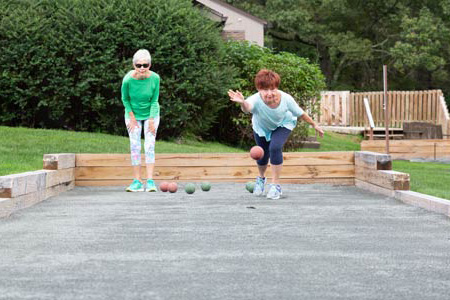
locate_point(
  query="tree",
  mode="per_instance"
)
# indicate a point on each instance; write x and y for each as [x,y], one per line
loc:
[352,39]
[336,33]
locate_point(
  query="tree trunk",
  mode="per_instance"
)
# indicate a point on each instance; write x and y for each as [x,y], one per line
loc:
[325,63]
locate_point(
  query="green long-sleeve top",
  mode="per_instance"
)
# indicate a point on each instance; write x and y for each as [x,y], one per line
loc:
[141,96]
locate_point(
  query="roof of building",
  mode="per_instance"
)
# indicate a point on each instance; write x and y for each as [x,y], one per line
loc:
[235,9]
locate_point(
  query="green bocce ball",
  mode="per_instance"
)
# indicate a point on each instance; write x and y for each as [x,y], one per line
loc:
[206,186]
[250,186]
[189,188]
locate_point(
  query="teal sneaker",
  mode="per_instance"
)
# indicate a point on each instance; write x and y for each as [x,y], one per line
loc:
[274,192]
[135,186]
[151,187]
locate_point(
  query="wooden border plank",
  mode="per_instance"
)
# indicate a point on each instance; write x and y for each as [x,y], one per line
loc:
[373,188]
[124,183]
[11,205]
[59,161]
[391,180]
[216,159]
[373,160]
[408,149]
[207,173]
[427,202]
[23,183]
[57,177]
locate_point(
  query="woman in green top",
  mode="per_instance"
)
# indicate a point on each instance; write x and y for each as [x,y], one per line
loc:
[140,92]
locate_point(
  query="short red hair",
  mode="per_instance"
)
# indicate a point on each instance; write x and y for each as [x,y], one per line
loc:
[267,80]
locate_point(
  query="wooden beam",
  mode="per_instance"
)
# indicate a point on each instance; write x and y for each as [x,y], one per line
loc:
[373,160]
[209,173]
[390,180]
[123,182]
[22,183]
[216,159]
[56,177]
[427,202]
[59,161]
[10,205]
[374,188]
[407,149]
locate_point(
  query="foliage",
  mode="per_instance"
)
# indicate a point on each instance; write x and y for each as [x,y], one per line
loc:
[299,78]
[352,40]
[62,63]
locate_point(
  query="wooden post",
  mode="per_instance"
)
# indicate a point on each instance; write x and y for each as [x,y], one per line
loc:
[386,107]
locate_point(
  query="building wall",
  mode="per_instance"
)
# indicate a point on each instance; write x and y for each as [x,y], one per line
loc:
[254,31]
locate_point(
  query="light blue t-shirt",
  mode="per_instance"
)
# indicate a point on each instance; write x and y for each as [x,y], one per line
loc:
[266,119]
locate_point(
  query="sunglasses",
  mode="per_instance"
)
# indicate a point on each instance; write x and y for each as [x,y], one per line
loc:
[142,65]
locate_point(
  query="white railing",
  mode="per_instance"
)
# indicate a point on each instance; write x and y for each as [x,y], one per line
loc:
[443,117]
[369,116]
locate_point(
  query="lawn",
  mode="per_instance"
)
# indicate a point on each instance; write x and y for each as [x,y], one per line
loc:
[22,150]
[427,178]
[336,142]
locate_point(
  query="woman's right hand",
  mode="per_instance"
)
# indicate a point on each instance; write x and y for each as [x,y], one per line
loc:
[236,96]
[132,124]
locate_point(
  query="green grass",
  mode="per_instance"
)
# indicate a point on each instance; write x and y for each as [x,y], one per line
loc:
[427,178]
[22,149]
[336,142]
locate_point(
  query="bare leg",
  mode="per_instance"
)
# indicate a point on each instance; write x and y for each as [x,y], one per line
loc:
[137,172]
[150,168]
[276,171]
[262,170]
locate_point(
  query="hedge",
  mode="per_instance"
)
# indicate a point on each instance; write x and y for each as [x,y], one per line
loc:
[62,63]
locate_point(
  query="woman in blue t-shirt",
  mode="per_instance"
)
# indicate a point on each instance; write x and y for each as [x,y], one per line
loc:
[275,115]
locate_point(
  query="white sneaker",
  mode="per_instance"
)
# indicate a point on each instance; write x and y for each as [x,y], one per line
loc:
[274,192]
[259,186]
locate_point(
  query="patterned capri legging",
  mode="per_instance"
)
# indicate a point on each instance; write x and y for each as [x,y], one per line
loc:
[135,142]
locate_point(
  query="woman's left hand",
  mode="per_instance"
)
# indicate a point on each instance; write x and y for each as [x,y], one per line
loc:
[151,126]
[319,130]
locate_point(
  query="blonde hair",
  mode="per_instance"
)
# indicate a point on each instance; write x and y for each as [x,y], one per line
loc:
[142,54]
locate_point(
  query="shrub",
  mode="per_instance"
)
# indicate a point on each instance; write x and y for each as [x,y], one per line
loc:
[301,79]
[62,63]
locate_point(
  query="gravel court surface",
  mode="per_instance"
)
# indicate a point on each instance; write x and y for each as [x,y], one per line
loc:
[317,242]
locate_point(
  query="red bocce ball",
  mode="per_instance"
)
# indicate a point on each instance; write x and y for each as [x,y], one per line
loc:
[256,152]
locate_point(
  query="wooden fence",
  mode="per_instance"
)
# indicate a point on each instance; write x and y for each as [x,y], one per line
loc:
[411,149]
[334,108]
[347,109]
